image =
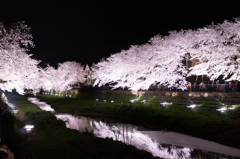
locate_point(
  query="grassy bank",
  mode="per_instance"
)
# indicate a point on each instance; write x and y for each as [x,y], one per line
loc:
[53,140]
[203,121]
[11,136]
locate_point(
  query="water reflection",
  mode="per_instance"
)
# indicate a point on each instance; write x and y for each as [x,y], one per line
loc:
[125,133]
[81,124]
[159,143]
[156,142]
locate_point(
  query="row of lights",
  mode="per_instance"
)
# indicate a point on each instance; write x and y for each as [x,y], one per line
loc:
[67,95]
[222,110]
[133,100]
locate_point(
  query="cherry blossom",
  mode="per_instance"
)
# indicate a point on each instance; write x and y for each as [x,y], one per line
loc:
[214,47]
[61,78]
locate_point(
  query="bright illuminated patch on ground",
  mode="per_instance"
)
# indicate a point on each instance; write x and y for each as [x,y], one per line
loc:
[132,101]
[191,106]
[42,105]
[222,110]
[231,107]
[28,128]
[68,95]
[15,111]
[143,102]
[165,103]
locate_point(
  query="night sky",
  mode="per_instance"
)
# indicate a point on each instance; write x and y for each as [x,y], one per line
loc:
[86,31]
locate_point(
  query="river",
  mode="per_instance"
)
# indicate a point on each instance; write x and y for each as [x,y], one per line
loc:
[164,144]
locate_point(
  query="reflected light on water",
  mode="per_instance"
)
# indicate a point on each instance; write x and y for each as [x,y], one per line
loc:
[81,124]
[159,143]
[125,133]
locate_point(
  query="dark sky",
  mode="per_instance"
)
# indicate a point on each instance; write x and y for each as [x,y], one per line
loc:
[86,31]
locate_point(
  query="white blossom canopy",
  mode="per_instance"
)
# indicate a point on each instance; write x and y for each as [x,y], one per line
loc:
[60,79]
[17,69]
[215,47]
[218,51]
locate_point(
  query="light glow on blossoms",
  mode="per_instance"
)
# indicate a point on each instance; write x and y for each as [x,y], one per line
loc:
[215,48]
[19,71]
[61,78]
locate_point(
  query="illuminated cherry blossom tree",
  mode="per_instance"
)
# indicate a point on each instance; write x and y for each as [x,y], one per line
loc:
[215,47]
[61,78]
[159,61]
[17,69]
[218,51]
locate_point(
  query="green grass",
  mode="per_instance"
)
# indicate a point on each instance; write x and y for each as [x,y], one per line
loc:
[203,121]
[53,140]
[11,136]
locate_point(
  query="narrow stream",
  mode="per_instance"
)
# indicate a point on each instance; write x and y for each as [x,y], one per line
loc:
[160,143]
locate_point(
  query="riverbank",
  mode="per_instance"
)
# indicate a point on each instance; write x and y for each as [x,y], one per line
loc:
[204,121]
[53,140]
[11,136]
